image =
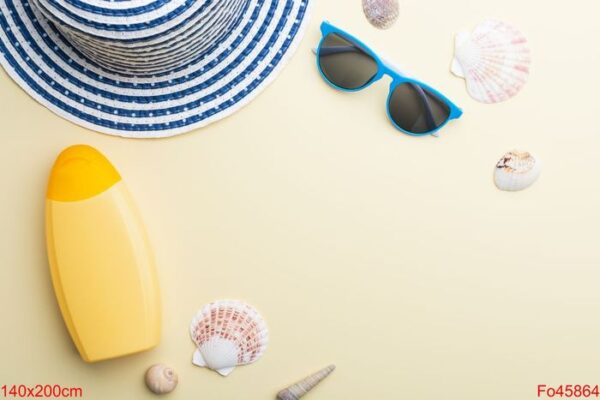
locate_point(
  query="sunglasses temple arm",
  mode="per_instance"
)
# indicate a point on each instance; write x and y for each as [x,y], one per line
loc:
[327,51]
[427,105]
[428,112]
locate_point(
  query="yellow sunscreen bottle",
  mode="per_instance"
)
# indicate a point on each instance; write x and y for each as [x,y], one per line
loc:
[101,263]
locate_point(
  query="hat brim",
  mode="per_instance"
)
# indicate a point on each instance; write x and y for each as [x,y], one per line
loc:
[39,58]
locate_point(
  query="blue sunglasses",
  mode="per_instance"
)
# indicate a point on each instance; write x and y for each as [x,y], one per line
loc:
[348,64]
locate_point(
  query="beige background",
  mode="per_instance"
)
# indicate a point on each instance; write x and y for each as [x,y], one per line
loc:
[391,256]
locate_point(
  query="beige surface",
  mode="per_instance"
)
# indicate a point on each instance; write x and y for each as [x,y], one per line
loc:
[393,257]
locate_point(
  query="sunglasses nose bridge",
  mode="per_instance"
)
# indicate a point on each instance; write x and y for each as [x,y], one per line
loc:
[384,70]
[389,78]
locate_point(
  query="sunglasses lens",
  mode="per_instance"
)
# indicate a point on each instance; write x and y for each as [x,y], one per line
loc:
[417,110]
[344,63]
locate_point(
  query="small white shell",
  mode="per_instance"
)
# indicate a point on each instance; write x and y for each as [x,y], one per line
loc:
[494,60]
[382,14]
[516,171]
[228,333]
[161,379]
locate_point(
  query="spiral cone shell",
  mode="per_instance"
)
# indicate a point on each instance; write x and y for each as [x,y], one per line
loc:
[302,387]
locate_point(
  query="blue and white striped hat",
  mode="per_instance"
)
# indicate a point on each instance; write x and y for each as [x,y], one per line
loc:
[147,68]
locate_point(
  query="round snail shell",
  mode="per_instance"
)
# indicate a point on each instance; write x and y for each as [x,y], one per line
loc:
[161,379]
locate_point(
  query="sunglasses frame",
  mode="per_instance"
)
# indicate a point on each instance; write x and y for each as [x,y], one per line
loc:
[384,68]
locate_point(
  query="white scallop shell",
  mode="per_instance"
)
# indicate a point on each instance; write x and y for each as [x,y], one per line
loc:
[494,60]
[516,171]
[228,333]
[382,14]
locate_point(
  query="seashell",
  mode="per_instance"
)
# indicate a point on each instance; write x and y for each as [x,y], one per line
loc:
[161,379]
[494,60]
[517,171]
[302,387]
[228,333]
[382,14]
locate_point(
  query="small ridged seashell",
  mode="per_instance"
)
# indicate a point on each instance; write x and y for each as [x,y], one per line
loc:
[494,60]
[161,379]
[382,14]
[302,387]
[228,333]
[516,171]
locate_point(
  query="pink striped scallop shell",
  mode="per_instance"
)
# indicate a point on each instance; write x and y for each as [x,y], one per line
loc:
[228,333]
[494,60]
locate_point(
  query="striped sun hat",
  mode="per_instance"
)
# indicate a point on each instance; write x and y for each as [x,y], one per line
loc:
[147,68]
